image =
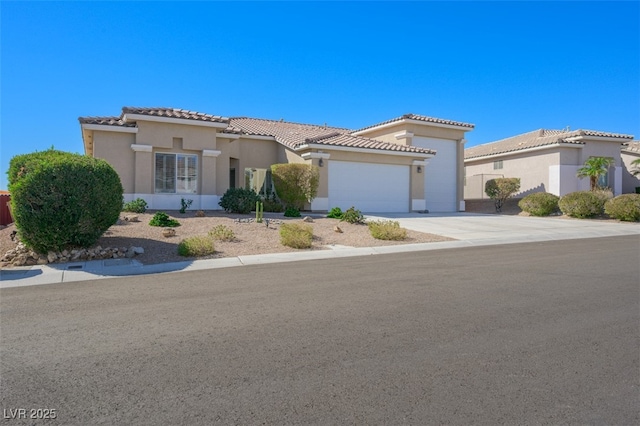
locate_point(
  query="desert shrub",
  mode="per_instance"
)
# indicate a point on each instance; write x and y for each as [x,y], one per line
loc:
[270,205]
[295,183]
[624,207]
[603,194]
[353,216]
[539,204]
[387,230]
[136,206]
[196,246]
[60,199]
[581,204]
[184,205]
[296,235]
[292,212]
[500,189]
[164,220]
[239,200]
[335,213]
[222,233]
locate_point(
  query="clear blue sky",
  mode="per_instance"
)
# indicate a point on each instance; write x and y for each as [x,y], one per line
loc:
[507,67]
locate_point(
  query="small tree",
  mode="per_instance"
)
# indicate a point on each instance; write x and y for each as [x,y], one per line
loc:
[295,183]
[593,168]
[500,189]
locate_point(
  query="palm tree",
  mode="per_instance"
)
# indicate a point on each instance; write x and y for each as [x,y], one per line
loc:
[593,168]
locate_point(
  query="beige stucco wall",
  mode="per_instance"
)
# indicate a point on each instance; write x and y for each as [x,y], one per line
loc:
[533,171]
[161,135]
[629,182]
[115,148]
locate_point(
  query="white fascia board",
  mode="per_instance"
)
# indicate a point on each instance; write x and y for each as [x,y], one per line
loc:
[598,138]
[259,137]
[141,148]
[232,136]
[406,120]
[210,152]
[109,128]
[420,162]
[404,135]
[367,150]
[313,155]
[141,117]
[537,148]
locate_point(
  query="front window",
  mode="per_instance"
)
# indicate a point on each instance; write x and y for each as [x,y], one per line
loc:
[176,173]
[497,165]
[603,180]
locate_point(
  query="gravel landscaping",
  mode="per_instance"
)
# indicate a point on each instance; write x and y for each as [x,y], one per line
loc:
[251,237]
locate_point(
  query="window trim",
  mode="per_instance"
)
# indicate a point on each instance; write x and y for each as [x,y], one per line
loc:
[177,175]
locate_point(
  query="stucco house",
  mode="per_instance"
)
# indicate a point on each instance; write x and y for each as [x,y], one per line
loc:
[630,152]
[409,163]
[546,161]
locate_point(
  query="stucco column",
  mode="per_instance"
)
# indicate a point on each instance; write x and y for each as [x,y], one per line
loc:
[143,180]
[460,178]
[209,164]
[418,201]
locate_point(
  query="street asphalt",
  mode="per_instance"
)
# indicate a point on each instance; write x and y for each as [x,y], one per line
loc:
[468,229]
[540,333]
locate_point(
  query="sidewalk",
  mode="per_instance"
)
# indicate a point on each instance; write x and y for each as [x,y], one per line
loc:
[467,228]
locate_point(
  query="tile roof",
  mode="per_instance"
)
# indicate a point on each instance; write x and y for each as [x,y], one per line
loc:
[292,135]
[156,112]
[633,147]
[534,139]
[420,118]
[295,135]
[175,113]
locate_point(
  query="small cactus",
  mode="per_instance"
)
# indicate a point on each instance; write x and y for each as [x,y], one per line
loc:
[259,211]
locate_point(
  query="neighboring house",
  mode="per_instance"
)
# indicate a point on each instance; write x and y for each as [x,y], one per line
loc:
[410,163]
[545,161]
[630,152]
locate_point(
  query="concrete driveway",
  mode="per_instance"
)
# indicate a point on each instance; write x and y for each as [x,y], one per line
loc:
[479,229]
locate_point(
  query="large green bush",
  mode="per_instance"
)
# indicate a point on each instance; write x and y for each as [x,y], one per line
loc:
[295,183]
[239,200]
[539,204]
[581,204]
[624,207]
[60,199]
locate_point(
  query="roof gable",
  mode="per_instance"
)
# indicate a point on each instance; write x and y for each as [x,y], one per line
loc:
[538,138]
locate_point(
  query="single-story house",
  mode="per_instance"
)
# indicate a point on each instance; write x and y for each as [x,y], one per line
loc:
[630,153]
[409,163]
[545,161]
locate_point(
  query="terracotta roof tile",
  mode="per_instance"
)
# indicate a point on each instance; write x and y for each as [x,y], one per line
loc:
[295,135]
[175,113]
[633,147]
[105,121]
[534,139]
[420,118]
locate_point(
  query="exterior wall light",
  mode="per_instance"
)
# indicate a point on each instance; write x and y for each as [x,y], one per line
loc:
[419,170]
[321,163]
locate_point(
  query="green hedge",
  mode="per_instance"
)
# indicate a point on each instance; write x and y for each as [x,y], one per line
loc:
[539,204]
[582,204]
[624,207]
[239,200]
[60,199]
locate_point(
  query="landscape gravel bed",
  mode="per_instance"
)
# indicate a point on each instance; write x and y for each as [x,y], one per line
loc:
[251,237]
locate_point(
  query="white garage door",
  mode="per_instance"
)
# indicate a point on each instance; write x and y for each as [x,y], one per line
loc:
[371,188]
[440,175]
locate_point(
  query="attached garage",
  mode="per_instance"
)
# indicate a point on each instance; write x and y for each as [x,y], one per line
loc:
[440,175]
[371,188]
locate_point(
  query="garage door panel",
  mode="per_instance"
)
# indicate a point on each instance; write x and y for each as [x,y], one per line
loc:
[369,187]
